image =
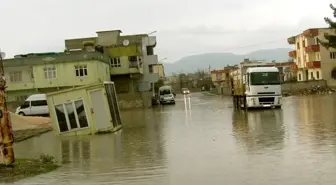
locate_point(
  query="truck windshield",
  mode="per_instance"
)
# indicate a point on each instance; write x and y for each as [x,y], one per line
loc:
[265,78]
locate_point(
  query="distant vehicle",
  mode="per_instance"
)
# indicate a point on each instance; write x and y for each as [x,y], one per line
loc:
[166,95]
[35,104]
[185,91]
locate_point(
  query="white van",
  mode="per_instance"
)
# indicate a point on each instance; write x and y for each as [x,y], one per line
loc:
[35,104]
[166,95]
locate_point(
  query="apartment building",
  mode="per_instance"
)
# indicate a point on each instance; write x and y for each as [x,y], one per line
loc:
[131,59]
[159,69]
[48,72]
[312,60]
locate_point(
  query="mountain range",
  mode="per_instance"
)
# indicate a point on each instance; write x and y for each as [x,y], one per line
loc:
[193,63]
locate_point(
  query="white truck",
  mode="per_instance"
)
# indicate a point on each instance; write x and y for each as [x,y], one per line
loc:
[260,85]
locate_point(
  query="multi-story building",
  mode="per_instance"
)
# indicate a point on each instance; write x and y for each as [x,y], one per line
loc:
[219,76]
[159,69]
[131,63]
[312,60]
[43,73]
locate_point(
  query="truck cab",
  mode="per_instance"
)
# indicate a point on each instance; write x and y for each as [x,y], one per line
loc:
[263,87]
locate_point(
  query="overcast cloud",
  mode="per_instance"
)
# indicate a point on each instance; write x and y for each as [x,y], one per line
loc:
[184,27]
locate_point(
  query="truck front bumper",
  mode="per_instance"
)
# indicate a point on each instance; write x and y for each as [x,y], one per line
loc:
[263,101]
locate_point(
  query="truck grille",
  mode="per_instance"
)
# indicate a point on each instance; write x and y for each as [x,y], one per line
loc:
[266,100]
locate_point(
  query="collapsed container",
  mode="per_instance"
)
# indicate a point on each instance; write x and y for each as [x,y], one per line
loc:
[85,110]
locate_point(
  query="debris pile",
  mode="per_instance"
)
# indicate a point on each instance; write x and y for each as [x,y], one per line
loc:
[313,90]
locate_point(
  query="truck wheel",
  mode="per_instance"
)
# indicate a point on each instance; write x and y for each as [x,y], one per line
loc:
[21,114]
[278,107]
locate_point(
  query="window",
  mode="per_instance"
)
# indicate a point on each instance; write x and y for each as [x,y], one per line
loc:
[303,43]
[219,76]
[150,68]
[333,73]
[115,62]
[317,75]
[26,104]
[133,58]
[312,75]
[298,45]
[299,77]
[39,103]
[81,70]
[265,78]
[71,116]
[15,76]
[317,56]
[50,73]
[317,40]
[333,55]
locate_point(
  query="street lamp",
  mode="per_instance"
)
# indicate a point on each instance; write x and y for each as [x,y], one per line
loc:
[7,141]
[151,32]
[162,60]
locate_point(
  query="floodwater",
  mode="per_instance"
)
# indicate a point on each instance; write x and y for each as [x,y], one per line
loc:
[201,140]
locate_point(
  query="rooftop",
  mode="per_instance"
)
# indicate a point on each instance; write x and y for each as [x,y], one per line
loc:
[47,58]
[262,69]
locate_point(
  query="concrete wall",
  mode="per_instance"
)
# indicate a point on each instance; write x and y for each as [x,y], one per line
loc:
[297,86]
[130,100]
[286,87]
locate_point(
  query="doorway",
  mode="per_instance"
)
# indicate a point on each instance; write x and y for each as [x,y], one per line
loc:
[100,113]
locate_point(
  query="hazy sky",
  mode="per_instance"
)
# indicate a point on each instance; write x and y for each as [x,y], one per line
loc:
[184,27]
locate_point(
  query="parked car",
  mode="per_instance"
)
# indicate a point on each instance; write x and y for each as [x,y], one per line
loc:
[34,105]
[185,91]
[166,95]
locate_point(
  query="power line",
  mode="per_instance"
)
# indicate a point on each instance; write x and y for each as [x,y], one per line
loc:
[246,46]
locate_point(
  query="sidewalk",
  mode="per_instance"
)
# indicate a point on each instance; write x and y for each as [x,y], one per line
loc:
[25,127]
[29,122]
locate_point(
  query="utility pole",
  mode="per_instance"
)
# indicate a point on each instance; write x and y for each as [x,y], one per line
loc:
[6,134]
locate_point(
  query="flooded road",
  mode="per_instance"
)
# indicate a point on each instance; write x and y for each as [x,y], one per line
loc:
[198,141]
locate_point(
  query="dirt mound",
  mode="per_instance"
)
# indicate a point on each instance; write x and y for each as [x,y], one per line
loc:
[29,122]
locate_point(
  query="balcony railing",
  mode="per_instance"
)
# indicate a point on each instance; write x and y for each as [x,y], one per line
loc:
[313,64]
[292,54]
[310,33]
[291,40]
[313,48]
[134,64]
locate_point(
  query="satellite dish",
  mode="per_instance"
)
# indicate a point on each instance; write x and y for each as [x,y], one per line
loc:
[2,54]
[125,42]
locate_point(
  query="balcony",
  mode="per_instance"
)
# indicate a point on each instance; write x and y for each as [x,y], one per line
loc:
[291,40]
[313,48]
[292,54]
[151,59]
[310,33]
[313,64]
[127,67]
[294,67]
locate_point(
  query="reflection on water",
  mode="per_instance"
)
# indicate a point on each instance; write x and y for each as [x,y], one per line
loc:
[102,158]
[259,129]
[317,119]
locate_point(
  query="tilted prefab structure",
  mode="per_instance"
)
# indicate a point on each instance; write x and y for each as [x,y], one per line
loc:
[85,110]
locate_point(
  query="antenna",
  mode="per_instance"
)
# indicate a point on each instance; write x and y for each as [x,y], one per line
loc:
[126,42]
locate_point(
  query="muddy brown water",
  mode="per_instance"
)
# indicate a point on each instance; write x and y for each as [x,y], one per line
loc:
[201,142]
